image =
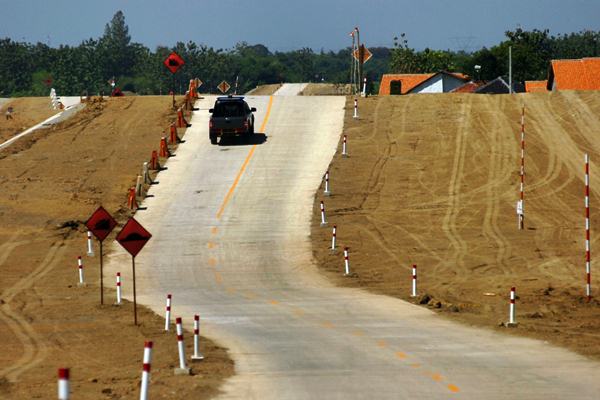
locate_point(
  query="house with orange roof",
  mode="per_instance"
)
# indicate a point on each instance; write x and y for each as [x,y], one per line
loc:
[440,82]
[536,86]
[578,74]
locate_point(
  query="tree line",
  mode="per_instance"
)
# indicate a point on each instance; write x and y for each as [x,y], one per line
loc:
[28,69]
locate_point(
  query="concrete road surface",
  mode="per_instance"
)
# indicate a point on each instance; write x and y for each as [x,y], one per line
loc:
[231,226]
[290,89]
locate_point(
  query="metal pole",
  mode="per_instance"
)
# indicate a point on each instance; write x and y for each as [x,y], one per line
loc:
[134,296]
[101,276]
[510,69]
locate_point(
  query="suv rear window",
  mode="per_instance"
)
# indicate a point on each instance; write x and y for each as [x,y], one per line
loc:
[229,109]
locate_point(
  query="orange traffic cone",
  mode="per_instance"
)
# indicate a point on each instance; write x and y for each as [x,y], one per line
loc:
[181,122]
[174,138]
[154,164]
[132,201]
[164,150]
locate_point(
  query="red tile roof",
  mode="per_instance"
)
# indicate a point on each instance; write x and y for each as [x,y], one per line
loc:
[583,74]
[536,86]
[409,82]
[468,87]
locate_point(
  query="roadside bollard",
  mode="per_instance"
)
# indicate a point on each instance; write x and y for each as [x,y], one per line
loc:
[511,314]
[138,186]
[90,249]
[146,173]
[323,221]
[344,147]
[414,281]
[326,192]
[333,238]
[355,108]
[63,384]
[197,355]
[146,370]
[183,369]
[80,268]
[119,298]
[346,262]
[168,313]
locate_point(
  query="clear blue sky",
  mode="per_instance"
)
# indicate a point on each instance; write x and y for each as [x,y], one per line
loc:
[287,25]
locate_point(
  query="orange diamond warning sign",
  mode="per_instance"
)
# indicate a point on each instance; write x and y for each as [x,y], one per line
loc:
[362,54]
[224,87]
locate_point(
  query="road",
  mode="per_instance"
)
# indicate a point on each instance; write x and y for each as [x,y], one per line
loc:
[231,226]
[290,89]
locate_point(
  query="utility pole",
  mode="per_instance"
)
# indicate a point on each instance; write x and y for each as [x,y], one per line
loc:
[361,57]
[510,90]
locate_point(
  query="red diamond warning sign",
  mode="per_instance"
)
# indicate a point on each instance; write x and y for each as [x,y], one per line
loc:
[224,87]
[133,237]
[174,62]
[362,54]
[101,223]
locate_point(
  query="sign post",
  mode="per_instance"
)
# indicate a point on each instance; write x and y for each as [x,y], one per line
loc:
[173,62]
[101,224]
[133,237]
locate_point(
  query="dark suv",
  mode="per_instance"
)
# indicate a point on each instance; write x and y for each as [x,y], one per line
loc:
[231,115]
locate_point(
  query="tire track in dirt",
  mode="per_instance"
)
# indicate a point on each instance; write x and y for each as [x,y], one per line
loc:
[449,226]
[34,349]
[497,173]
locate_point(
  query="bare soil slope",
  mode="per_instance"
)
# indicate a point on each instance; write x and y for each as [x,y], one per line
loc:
[264,90]
[49,185]
[28,111]
[326,89]
[433,180]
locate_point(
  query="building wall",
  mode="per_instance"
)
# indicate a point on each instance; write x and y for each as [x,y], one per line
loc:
[434,85]
[451,83]
[441,83]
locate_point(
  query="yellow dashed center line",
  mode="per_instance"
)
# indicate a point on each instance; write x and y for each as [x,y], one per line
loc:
[358,332]
[211,245]
[218,277]
[245,164]
[274,302]
[453,388]
[214,230]
[415,365]
[212,261]
[401,355]
[327,325]
[381,343]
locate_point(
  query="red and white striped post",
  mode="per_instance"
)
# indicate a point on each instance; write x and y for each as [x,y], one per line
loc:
[364,89]
[168,313]
[63,384]
[146,370]
[326,192]
[183,369]
[588,269]
[323,221]
[90,249]
[80,268]
[346,262]
[521,204]
[511,312]
[355,108]
[333,238]
[197,355]
[414,281]
[119,297]
[344,147]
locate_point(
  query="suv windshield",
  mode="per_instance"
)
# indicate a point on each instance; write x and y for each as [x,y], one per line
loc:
[229,109]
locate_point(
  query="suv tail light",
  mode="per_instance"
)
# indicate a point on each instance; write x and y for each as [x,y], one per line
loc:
[246,124]
[210,123]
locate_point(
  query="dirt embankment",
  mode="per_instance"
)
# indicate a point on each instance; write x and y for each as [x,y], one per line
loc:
[264,90]
[326,89]
[433,180]
[50,183]
[28,111]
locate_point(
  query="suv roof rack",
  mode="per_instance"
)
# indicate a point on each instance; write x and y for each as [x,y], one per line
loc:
[230,97]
